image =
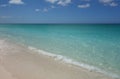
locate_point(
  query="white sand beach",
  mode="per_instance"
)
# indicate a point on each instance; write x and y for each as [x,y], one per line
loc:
[17,62]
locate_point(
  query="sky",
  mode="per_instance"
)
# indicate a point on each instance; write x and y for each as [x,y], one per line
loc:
[59,11]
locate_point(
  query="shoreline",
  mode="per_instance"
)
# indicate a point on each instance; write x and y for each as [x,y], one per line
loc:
[71,62]
[26,64]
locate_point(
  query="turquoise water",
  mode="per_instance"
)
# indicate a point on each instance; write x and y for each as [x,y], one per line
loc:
[96,45]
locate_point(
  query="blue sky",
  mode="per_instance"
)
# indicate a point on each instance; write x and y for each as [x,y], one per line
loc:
[59,11]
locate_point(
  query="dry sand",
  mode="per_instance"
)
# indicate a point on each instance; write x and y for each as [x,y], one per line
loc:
[17,62]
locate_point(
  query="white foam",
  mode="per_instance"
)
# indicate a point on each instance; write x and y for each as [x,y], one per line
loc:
[73,62]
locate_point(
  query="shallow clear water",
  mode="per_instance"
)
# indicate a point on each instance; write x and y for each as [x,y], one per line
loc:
[93,44]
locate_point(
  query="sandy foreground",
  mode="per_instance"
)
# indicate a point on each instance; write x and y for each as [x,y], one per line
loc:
[17,62]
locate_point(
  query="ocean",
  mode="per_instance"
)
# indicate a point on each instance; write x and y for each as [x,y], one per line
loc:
[92,46]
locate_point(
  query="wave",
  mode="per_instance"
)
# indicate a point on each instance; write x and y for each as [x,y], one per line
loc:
[73,62]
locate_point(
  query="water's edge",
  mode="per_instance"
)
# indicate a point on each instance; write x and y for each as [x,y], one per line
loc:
[73,62]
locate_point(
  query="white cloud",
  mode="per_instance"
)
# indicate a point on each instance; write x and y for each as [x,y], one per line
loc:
[16,2]
[3,5]
[64,2]
[106,1]
[60,2]
[52,1]
[109,2]
[37,10]
[84,5]
[113,4]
